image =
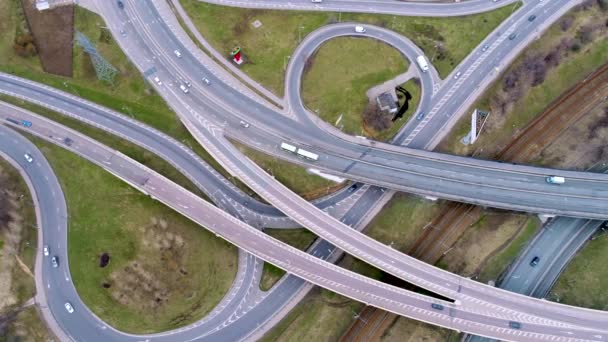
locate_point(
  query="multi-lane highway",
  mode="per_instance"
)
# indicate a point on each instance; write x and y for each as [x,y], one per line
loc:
[230,158]
[294,261]
[554,246]
[216,112]
[244,294]
[461,179]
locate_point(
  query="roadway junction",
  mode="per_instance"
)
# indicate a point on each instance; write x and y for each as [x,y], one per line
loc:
[211,113]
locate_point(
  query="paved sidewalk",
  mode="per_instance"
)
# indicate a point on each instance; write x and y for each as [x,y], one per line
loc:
[390,85]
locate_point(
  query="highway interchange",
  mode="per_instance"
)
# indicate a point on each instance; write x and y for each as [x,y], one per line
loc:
[216,144]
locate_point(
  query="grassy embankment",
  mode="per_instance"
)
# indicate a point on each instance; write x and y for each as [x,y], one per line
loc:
[513,107]
[18,247]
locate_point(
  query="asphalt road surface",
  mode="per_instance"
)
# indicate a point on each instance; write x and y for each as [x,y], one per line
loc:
[213,128]
[353,285]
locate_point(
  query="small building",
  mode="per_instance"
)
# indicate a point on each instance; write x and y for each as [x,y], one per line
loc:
[387,103]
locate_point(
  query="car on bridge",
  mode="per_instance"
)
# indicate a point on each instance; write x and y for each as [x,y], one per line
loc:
[437,306]
[535,261]
[555,180]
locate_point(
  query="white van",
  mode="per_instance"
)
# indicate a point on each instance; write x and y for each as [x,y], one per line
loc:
[555,180]
[359,29]
[424,66]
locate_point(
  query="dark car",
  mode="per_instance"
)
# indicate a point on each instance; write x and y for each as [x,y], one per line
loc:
[353,187]
[55,261]
[512,36]
[532,17]
[514,325]
[437,306]
[534,261]
[120,4]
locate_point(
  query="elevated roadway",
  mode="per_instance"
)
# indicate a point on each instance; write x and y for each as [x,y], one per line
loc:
[280,197]
[294,261]
[212,128]
[461,179]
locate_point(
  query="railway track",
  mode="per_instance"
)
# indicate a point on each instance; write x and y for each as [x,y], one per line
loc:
[450,224]
[557,117]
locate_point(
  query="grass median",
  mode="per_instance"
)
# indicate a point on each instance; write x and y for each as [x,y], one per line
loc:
[164,271]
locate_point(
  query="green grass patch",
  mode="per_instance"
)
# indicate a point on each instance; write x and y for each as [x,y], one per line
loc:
[401,221]
[165,271]
[499,262]
[345,94]
[268,48]
[575,66]
[296,178]
[298,238]
[321,316]
[584,280]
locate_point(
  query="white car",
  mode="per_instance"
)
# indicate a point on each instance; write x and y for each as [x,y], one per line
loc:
[157,80]
[244,124]
[184,88]
[177,53]
[28,158]
[45,250]
[206,80]
[457,75]
[69,307]
[359,29]
[317,1]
